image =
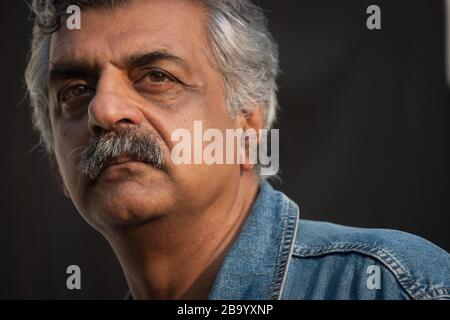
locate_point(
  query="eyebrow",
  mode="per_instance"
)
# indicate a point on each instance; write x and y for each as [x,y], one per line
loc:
[70,70]
[134,61]
[64,71]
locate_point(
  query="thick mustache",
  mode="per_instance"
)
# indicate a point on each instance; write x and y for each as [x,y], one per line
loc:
[131,142]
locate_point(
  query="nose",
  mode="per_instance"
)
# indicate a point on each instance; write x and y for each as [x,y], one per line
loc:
[112,106]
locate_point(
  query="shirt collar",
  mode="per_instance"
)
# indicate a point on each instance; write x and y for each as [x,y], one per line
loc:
[256,265]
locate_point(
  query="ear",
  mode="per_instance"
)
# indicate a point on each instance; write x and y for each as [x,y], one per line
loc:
[252,120]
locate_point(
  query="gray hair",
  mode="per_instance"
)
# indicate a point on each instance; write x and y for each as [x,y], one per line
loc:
[243,49]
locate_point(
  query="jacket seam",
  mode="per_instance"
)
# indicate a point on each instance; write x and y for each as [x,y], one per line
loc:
[291,250]
[286,248]
[412,287]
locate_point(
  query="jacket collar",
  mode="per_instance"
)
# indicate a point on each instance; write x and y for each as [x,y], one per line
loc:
[256,266]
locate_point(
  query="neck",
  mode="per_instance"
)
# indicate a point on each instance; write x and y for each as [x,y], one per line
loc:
[179,256]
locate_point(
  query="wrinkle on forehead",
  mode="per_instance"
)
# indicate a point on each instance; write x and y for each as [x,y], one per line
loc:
[107,35]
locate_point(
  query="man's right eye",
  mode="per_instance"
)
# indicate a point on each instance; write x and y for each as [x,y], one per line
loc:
[73,93]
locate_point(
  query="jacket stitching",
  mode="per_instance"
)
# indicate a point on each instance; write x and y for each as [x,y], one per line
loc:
[287,242]
[414,289]
[295,219]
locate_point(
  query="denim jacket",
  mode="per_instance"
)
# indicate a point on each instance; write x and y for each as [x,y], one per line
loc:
[279,256]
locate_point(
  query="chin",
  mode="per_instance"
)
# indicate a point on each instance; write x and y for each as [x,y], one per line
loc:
[129,203]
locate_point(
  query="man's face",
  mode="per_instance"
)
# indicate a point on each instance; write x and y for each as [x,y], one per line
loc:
[142,65]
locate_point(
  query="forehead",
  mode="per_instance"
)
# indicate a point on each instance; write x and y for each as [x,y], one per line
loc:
[110,34]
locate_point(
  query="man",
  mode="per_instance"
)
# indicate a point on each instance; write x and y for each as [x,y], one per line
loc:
[107,99]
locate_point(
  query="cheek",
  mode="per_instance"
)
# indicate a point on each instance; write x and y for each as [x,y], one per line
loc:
[210,113]
[200,181]
[202,111]
[69,138]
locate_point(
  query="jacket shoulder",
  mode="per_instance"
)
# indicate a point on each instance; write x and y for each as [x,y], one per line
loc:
[421,268]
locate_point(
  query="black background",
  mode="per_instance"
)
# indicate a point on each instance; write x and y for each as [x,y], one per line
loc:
[364,127]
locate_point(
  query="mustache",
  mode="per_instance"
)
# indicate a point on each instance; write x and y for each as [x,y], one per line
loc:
[132,142]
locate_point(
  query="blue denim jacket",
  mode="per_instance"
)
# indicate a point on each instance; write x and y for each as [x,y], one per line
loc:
[279,256]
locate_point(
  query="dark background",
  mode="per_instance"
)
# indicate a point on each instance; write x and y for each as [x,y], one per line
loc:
[364,139]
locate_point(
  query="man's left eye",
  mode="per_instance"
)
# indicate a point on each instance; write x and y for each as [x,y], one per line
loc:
[156,82]
[157,76]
